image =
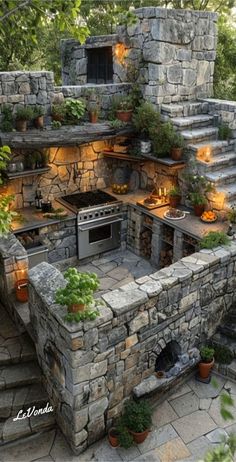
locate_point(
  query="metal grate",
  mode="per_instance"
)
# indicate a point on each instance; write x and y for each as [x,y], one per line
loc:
[100,65]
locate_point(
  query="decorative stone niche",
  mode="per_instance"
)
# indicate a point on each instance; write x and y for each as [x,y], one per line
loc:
[168,357]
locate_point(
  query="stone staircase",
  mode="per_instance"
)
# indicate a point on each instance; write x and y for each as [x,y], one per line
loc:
[192,120]
[20,384]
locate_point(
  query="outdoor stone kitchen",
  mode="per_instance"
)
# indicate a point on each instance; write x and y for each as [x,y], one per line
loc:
[90,196]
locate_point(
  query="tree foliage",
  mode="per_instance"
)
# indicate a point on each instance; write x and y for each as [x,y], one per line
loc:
[225,65]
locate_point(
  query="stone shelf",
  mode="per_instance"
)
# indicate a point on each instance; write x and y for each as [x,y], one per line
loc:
[36,171]
[122,156]
[165,161]
[66,136]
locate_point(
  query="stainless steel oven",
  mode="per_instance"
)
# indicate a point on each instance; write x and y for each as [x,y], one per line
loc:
[99,236]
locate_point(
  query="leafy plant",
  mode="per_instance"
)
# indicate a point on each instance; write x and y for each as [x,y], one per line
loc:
[224,131]
[124,437]
[117,124]
[82,316]
[122,103]
[175,191]
[232,215]
[196,184]
[75,109]
[93,101]
[177,140]
[24,113]
[145,118]
[214,239]
[7,119]
[197,198]
[56,124]
[79,288]
[223,354]
[59,111]
[207,354]
[161,139]
[38,111]
[6,215]
[137,416]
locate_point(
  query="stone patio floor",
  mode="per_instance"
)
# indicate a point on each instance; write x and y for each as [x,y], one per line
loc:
[185,426]
[114,269]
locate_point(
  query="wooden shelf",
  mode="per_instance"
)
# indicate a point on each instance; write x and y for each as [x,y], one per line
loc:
[122,156]
[36,171]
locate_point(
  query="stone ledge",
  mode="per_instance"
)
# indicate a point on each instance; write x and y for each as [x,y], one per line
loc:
[121,301]
[11,247]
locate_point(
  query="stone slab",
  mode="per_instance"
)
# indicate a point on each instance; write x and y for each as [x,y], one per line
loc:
[158,437]
[203,390]
[121,301]
[199,447]
[185,404]
[184,388]
[173,450]
[214,412]
[163,415]
[217,435]
[194,425]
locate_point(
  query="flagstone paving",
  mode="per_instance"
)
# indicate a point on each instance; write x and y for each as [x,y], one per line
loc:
[185,427]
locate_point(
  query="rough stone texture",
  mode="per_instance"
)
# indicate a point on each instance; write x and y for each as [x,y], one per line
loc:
[125,342]
[25,88]
[226,112]
[174,51]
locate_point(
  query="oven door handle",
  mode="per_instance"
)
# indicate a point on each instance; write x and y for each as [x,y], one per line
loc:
[99,224]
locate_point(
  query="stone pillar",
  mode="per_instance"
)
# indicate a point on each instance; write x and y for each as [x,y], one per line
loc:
[178,245]
[156,243]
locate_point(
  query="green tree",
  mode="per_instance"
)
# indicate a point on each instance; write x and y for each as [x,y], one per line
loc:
[225,65]
[22,21]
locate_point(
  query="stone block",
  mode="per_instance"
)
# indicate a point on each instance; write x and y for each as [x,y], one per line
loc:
[97,408]
[123,301]
[141,320]
[175,73]
[131,341]
[80,419]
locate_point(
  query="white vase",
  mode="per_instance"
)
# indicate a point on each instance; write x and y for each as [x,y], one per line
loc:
[145,146]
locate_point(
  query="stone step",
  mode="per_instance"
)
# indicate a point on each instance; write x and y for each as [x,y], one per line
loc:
[229,330]
[15,399]
[12,430]
[200,134]
[196,121]
[185,108]
[12,376]
[217,146]
[230,192]
[218,162]
[225,176]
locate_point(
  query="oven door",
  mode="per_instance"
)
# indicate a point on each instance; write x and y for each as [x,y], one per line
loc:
[99,236]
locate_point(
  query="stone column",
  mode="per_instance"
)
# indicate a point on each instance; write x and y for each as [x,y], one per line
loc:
[178,245]
[156,243]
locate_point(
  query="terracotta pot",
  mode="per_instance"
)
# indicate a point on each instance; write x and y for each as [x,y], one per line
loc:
[39,122]
[174,201]
[76,307]
[125,116]
[22,294]
[176,153]
[139,437]
[21,125]
[160,374]
[205,369]
[113,437]
[199,209]
[93,117]
[57,117]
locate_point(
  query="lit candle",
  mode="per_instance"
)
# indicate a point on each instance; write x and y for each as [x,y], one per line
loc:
[159,192]
[207,155]
[164,191]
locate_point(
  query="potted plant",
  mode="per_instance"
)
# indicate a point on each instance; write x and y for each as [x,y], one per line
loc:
[144,118]
[214,239]
[58,111]
[7,119]
[93,105]
[232,215]
[124,108]
[38,116]
[207,361]
[75,109]
[177,147]
[161,137]
[174,196]
[138,419]
[77,295]
[120,436]
[23,115]
[199,202]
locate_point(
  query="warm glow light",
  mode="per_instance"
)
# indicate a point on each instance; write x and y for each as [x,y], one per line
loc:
[207,156]
[120,52]
[205,153]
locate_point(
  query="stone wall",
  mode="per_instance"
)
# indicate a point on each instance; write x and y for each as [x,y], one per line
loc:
[90,368]
[170,53]
[71,169]
[106,93]
[22,88]
[225,111]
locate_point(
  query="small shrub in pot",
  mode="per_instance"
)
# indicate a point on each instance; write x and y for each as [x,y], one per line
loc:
[138,419]
[207,361]
[174,196]
[23,115]
[38,116]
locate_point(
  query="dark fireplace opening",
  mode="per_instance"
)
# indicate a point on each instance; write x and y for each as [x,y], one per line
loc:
[168,357]
[100,65]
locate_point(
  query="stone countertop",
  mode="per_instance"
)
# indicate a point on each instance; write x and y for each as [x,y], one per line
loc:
[190,225]
[32,219]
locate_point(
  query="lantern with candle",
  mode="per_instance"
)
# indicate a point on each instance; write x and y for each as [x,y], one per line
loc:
[21,287]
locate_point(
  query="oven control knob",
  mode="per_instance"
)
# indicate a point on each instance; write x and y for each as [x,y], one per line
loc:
[90,216]
[96,214]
